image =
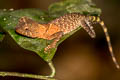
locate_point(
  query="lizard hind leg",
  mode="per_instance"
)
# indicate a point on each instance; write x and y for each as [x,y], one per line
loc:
[88,28]
[56,38]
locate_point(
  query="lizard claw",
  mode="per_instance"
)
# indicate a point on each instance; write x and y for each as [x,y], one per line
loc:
[47,49]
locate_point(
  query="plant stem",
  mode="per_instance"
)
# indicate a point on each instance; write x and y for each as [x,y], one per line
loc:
[25,75]
[52,69]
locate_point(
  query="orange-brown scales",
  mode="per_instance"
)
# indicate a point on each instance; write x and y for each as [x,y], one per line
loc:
[61,26]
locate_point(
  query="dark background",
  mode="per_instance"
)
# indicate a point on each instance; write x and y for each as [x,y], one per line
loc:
[77,58]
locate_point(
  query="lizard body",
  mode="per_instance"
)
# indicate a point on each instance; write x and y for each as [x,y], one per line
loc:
[55,29]
[70,22]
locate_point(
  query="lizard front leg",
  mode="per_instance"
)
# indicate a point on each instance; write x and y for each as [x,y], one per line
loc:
[56,38]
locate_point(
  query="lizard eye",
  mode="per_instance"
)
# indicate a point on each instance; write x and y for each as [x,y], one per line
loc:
[26,28]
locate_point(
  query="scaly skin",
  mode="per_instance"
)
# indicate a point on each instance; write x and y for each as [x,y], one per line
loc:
[61,26]
[54,29]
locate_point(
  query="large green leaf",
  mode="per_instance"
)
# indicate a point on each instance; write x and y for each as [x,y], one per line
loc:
[74,6]
[9,20]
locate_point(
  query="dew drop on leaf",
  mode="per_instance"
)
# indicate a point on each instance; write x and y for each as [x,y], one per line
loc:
[4,19]
[11,9]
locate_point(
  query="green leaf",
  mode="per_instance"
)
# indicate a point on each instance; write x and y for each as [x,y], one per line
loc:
[9,20]
[74,6]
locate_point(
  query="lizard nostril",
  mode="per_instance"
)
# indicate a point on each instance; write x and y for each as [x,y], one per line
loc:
[26,28]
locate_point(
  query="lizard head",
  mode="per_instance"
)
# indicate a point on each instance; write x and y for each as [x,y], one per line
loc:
[28,27]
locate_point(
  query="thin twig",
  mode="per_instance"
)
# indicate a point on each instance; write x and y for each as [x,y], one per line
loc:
[3,74]
[25,75]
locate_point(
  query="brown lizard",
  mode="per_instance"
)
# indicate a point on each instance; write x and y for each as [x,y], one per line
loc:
[61,26]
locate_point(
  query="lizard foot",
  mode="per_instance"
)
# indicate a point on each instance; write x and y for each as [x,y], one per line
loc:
[47,49]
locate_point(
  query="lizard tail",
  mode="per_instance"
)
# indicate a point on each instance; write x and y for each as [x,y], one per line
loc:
[109,42]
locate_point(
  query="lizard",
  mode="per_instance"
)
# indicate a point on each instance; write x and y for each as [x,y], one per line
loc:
[60,26]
